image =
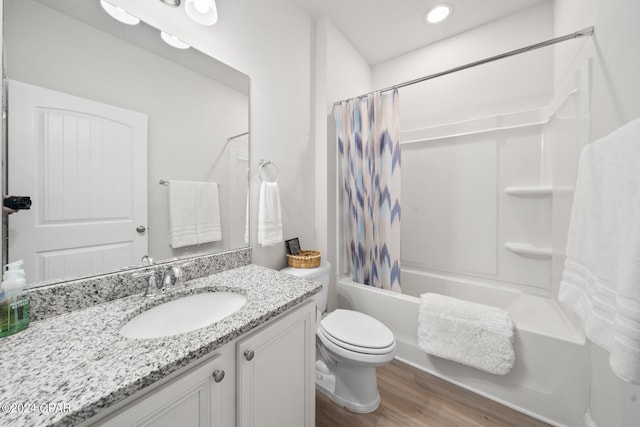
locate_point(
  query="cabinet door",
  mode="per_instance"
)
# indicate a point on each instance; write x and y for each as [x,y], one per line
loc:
[276,383]
[197,398]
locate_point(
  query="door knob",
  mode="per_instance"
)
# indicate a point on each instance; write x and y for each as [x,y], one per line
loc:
[218,375]
[248,354]
[141,229]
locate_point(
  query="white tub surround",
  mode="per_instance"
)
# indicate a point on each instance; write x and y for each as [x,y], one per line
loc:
[547,380]
[80,359]
[494,193]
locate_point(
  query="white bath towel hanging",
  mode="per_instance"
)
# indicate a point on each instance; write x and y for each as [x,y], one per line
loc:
[194,213]
[269,215]
[473,334]
[182,213]
[209,228]
[601,279]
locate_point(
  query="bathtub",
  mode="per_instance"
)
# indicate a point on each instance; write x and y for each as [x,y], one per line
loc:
[549,378]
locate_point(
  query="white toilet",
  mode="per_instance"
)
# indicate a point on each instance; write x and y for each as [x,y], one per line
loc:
[349,347]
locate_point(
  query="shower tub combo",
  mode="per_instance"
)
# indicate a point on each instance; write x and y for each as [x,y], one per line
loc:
[547,380]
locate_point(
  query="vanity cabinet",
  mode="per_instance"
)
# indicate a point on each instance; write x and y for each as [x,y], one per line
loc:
[265,378]
[276,382]
[201,397]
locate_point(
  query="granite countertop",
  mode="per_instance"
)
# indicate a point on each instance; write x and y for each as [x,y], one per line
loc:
[80,363]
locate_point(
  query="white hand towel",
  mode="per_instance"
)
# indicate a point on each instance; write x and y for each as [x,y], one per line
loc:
[208,224]
[601,279]
[182,213]
[269,215]
[474,334]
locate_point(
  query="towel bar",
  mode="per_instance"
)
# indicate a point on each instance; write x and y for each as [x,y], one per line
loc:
[166,183]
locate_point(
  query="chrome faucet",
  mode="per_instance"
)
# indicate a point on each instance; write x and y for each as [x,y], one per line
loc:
[173,276]
[151,283]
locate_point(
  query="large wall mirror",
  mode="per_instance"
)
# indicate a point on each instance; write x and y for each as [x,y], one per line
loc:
[103,115]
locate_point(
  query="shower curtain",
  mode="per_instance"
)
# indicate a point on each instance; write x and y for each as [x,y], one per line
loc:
[368,133]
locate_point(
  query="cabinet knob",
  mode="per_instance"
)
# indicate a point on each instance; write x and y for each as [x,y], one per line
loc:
[218,375]
[248,354]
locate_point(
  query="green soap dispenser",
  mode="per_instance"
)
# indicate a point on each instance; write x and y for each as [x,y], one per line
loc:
[14,303]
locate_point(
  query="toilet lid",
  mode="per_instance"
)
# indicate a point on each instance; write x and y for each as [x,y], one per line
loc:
[357,329]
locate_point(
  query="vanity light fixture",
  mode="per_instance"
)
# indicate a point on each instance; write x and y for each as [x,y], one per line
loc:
[171,3]
[173,41]
[119,14]
[203,12]
[438,14]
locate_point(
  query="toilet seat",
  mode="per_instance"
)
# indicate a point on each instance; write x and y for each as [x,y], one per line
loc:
[364,350]
[361,357]
[358,330]
[346,331]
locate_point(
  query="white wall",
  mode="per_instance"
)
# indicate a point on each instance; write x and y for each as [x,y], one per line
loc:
[348,74]
[190,115]
[615,100]
[616,57]
[340,73]
[509,85]
[270,42]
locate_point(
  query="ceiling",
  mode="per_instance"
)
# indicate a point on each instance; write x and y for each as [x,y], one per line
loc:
[384,29]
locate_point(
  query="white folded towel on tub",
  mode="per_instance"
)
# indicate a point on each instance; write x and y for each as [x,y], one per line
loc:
[473,334]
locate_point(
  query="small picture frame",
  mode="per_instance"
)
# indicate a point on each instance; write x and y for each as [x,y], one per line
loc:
[293,246]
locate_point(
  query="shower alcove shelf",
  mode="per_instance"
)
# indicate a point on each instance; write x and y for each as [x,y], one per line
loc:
[526,249]
[535,190]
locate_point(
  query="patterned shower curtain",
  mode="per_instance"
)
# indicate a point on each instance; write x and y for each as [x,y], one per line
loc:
[368,132]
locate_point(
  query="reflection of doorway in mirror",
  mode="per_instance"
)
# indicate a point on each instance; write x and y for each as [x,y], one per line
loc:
[84,164]
[238,191]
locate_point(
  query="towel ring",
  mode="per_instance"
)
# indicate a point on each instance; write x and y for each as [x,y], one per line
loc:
[264,163]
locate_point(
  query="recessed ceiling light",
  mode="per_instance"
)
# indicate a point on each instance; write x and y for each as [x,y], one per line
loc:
[119,13]
[173,41]
[438,14]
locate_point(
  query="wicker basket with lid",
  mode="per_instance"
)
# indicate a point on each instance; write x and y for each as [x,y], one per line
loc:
[305,259]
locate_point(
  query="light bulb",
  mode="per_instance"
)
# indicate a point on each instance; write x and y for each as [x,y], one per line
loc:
[173,41]
[201,6]
[119,14]
[438,14]
[203,12]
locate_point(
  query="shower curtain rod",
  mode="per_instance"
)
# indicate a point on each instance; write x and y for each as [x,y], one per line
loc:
[582,33]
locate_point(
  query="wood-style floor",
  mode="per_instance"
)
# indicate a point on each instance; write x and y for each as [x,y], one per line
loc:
[413,398]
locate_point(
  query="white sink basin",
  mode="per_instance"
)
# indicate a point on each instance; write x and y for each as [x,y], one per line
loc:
[183,315]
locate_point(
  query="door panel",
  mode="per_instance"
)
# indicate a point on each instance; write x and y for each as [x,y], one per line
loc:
[84,164]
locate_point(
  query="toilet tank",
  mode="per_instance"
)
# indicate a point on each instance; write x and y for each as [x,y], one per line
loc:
[319,274]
